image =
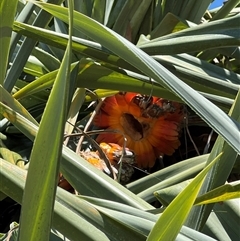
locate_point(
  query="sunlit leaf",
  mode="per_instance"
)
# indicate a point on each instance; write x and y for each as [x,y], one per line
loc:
[7,10]
[178,210]
[38,200]
[220,194]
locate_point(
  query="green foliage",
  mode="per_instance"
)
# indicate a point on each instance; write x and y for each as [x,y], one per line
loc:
[7,10]
[44,163]
[54,61]
[174,216]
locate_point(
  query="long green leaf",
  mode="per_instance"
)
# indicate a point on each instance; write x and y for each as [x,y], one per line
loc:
[7,12]
[28,128]
[173,171]
[45,81]
[83,46]
[220,194]
[212,227]
[28,44]
[7,99]
[192,10]
[38,200]
[218,174]
[147,193]
[176,213]
[111,226]
[224,26]
[228,213]
[220,33]
[171,23]
[225,10]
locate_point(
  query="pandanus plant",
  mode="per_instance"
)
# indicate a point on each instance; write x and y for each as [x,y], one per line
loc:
[117,85]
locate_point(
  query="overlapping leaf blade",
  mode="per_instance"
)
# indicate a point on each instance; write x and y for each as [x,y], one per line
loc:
[45,157]
[218,174]
[176,213]
[220,194]
[7,10]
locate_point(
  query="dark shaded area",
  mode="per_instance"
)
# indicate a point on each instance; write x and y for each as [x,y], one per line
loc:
[9,212]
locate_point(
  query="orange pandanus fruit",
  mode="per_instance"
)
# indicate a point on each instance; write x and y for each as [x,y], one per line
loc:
[151,125]
[114,154]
